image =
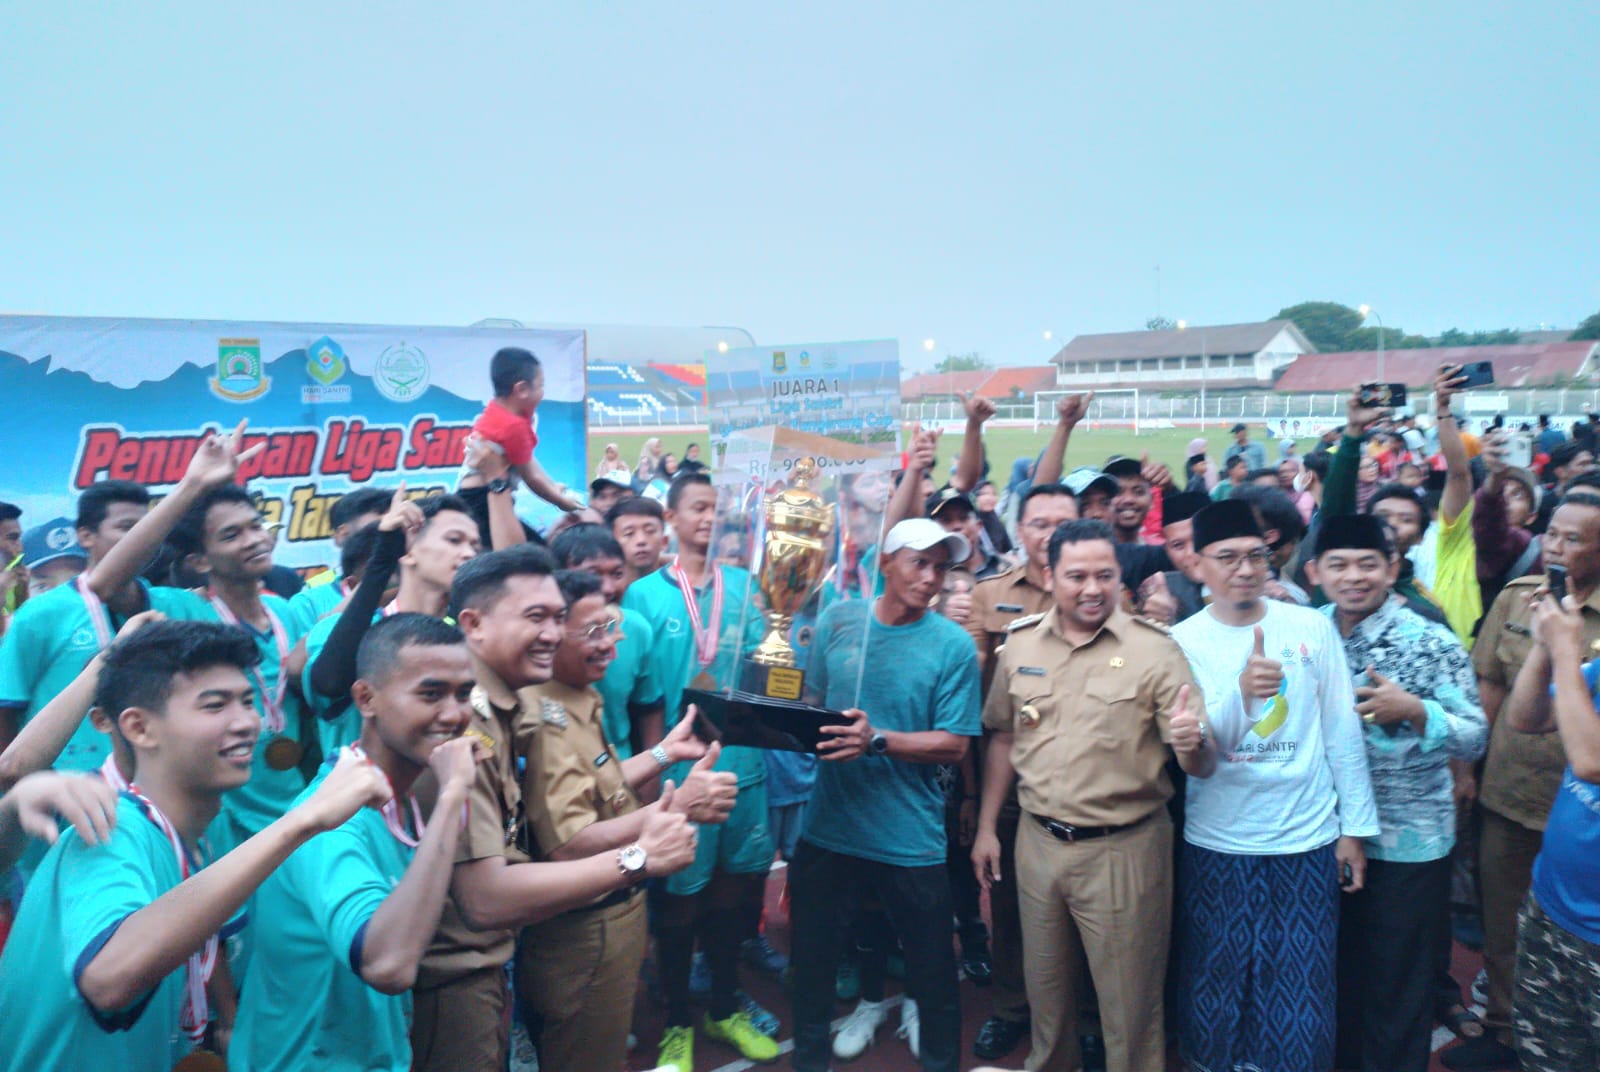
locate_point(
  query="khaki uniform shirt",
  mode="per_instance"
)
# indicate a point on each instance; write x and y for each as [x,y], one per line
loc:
[1090,723]
[997,602]
[1523,771]
[494,828]
[574,777]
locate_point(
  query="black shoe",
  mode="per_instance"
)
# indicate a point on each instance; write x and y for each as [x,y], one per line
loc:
[998,1037]
[978,969]
[1094,1053]
[1486,1054]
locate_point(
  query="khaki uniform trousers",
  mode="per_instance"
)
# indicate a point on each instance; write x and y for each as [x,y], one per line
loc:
[1506,851]
[577,975]
[1110,897]
[462,1025]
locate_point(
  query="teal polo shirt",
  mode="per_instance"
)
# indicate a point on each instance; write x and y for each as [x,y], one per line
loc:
[78,898]
[659,601]
[345,727]
[313,603]
[305,1004]
[629,679]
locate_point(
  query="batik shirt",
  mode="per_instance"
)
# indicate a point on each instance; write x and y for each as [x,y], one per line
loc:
[1411,771]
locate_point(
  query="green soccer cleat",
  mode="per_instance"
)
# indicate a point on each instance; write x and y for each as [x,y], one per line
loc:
[677,1050]
[737,1031]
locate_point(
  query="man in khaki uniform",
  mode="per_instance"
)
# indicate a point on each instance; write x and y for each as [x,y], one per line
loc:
[577,972]
[512,614]
[996,603]
[1523,770]
[1086,701]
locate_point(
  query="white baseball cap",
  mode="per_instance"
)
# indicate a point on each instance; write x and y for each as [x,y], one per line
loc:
[919,534]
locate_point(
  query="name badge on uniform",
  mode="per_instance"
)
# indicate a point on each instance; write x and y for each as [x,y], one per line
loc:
[1031,671]
[1015,608]
[602,759]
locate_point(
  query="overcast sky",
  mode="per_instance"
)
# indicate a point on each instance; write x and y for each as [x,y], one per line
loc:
[977,174]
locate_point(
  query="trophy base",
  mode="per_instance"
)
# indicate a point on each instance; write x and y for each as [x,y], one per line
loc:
[773,682]
[747,720]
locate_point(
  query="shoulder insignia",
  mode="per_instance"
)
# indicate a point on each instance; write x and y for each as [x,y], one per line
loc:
[480,702]
[483,739]
[1023,623]
[1151,623]
[1532,580]
[553,713]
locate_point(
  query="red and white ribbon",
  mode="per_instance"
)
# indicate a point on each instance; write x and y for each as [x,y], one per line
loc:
[271,699]
[391,808]
[99,617]
[196,1008]
[112,775]
[706,632]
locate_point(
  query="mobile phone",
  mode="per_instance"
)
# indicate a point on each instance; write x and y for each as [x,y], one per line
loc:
[1477,373]
[1383,395]
[1519,449]
[1556,581]
[1347,876]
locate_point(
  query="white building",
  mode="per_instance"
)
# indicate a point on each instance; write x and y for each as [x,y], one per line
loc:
[1219,355]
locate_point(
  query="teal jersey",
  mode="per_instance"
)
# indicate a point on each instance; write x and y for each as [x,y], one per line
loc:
[345,727]
[313,603]
[673,660]
[629,679]
[305,1005]
[50,641]
[78,898]
[252,807]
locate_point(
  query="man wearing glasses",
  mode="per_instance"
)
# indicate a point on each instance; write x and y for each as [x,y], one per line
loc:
[1274,834]
[577,972]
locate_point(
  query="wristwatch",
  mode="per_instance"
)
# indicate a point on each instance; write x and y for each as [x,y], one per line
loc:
[879,745]
[1204,733]
[631,861]
[659,754]
[500,485]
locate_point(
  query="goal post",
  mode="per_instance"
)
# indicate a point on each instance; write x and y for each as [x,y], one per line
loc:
[1117,406]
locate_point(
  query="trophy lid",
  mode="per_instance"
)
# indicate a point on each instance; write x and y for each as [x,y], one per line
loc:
[797,507]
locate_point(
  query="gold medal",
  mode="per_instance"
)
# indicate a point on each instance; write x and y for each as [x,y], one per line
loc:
[202,1060]
[283,754]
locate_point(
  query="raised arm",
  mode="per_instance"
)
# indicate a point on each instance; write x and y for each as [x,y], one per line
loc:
[969,463]
[905,501]
[1458,473]
[1560,630]
[1339,490]
[1070,409]
[335,668]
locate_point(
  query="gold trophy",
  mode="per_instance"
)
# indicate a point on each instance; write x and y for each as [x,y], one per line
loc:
[793,560]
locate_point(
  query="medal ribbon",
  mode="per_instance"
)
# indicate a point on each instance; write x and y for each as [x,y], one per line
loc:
[706,633]
[113,777]
[391,810]
[271,699]
[99,617]
[196,1008]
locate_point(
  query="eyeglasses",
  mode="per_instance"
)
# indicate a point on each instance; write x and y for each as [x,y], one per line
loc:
[1231,562]
[610,629]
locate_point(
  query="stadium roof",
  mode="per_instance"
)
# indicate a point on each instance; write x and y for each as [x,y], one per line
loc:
[1514,366]
[1187,342]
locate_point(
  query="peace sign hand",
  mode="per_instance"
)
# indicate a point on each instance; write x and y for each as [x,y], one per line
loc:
[217,459]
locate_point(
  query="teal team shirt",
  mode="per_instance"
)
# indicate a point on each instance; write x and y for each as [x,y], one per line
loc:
[78,898]
[262,800]
[673,661]
[345,727]
[50,641]
[918,677]
[313,603]
[304,1004]
[629,679]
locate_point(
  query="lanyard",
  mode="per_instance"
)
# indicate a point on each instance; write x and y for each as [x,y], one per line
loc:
[271,699]
[99,617]
[196,1007]
[113,777]
[706,633]
[391,809]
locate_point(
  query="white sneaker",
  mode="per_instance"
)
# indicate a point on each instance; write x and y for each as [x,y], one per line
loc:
[911,1027]
[858,1030]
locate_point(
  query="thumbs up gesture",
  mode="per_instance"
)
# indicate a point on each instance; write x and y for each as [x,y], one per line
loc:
[706,796]
[1262,677]
[1188,733]
[1383,703]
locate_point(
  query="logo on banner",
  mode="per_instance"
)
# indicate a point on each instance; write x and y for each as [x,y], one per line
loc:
[325,364]
[239,377]
[805,358]
[779,362]
[401,373]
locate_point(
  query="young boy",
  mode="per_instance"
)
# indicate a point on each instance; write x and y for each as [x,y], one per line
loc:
[350,914]
[108,962]
[639,526]
[507,421]
[696,609]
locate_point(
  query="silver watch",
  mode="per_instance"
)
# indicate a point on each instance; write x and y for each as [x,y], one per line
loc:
[631,861]
[659,754]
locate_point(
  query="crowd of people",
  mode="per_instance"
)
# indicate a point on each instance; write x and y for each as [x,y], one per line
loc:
[1235,754]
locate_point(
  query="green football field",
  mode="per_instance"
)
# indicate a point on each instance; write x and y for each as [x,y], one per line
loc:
[1088,446]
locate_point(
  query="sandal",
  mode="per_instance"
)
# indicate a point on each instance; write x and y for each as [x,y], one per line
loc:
[1462,1022]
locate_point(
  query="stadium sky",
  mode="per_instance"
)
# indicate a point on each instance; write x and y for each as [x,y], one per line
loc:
[977,174]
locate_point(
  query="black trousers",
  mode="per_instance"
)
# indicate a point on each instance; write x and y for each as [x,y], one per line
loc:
[963,886]
[823,895]
[1388,972]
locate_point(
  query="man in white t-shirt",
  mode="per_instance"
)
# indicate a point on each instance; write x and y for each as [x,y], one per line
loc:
[1275,833]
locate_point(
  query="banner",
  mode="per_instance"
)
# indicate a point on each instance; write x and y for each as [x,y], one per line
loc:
[337,405]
